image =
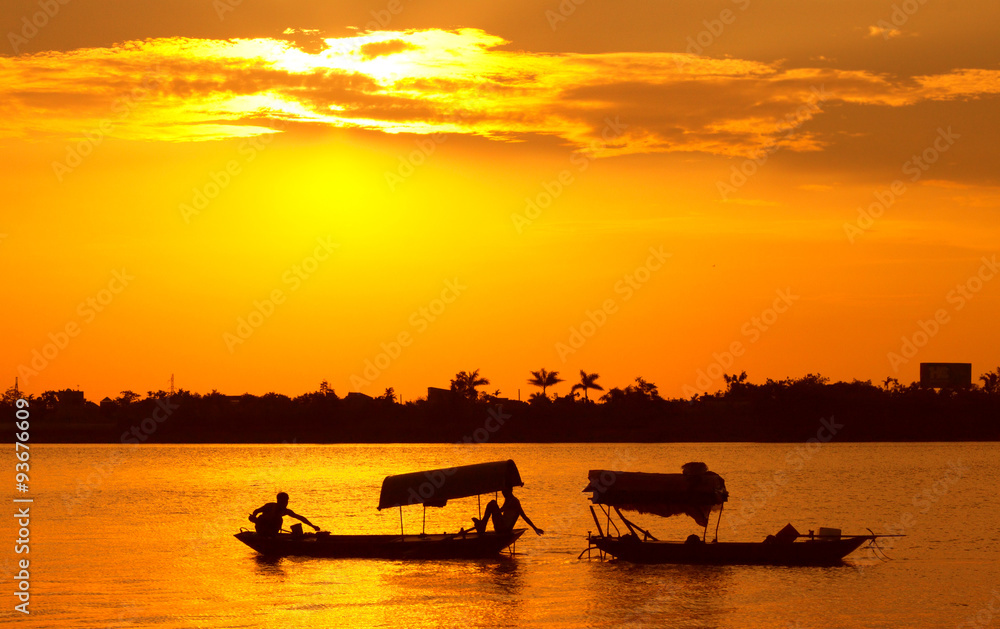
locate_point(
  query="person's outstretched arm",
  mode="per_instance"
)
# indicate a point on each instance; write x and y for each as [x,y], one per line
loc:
[300,518]
[525,517]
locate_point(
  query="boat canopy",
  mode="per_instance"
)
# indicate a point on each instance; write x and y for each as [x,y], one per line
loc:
[434,488]
[697,492]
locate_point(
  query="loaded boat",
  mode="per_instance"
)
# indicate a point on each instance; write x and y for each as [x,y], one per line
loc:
[697,493]
[432,488]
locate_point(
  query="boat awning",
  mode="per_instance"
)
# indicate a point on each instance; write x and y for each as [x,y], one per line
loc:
[695,493]
[434,488]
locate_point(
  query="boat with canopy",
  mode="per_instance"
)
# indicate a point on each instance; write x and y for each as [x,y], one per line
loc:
[431,488]
[697,493]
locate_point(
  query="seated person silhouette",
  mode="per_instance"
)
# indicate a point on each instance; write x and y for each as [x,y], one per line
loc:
[267,519]
[506,516]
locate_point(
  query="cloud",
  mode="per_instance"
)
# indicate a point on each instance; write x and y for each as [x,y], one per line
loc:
[884,32]
[944,183]
[436,81]
[376,49]
[308,40]
[751,202]
[959,84]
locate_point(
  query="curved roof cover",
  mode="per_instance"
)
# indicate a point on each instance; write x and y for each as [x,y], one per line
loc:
[697,492]
[434,488]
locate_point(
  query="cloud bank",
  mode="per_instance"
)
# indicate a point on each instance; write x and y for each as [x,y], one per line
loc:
[438,81]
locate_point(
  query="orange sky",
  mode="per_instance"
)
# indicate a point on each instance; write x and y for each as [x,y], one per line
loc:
[262,196]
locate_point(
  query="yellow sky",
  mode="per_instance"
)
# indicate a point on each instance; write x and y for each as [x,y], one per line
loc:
[263,198]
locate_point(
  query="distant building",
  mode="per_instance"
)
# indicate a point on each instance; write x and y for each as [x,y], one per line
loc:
[502,400]
[436,395]
[945,375]
[68,397]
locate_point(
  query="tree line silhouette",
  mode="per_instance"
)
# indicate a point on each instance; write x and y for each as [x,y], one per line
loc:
[786,410]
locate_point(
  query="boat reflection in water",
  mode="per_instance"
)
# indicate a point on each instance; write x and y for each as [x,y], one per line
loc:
[433,488]
[697,493]
[625,595]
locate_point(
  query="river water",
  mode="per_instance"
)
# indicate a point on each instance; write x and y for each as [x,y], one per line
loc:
[141,536]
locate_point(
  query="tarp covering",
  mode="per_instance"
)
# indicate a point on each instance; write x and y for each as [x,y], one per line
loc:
[696,492]
[434,488]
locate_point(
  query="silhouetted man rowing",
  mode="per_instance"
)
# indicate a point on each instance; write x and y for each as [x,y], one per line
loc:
[267,519]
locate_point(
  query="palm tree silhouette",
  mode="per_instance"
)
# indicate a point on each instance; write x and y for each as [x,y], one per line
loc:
[991,381]
[544,379]
[644,389]
[587,381]
[465,384]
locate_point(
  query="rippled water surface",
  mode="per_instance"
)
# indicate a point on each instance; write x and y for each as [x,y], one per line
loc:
[141,536]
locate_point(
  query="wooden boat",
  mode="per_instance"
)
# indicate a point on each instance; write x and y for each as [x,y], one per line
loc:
[697,493]
[432,488]
[811,552]
[471,545]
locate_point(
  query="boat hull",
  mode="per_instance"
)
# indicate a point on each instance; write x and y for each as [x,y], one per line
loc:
[798,553]
[472,545]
